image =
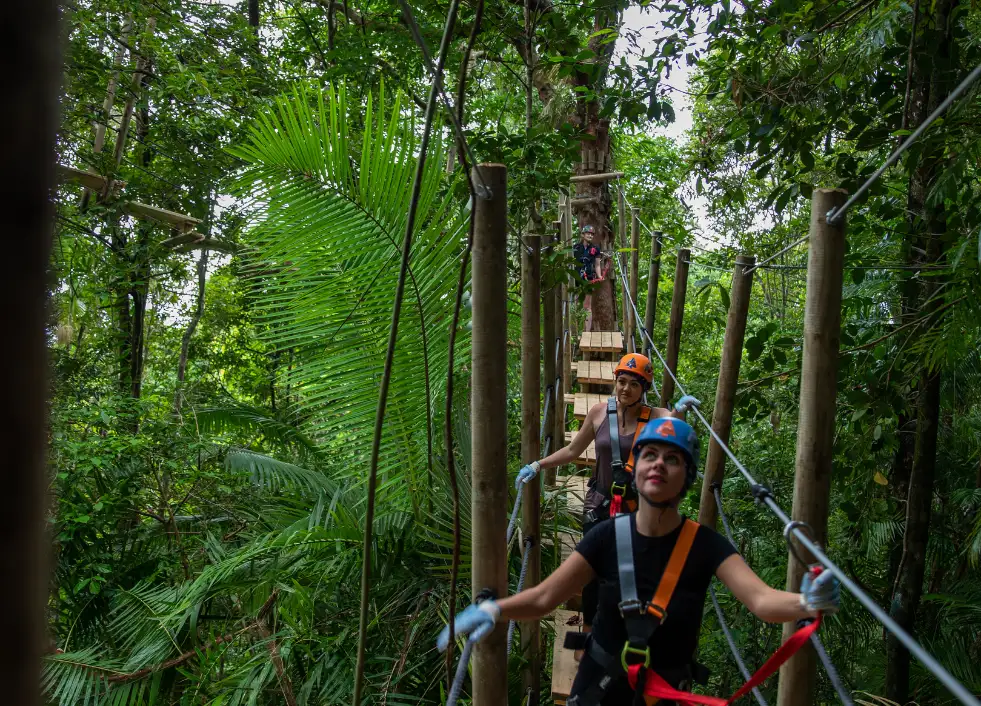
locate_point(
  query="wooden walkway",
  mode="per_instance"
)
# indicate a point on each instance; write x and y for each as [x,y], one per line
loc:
[583,402]
[595,372]
[601,342]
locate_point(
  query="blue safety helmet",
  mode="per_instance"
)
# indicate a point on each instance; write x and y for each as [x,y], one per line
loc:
[676,432]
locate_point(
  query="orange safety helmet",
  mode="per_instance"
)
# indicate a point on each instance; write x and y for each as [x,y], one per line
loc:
[636,364]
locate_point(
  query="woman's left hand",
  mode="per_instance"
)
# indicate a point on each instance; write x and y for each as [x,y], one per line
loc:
[820,591]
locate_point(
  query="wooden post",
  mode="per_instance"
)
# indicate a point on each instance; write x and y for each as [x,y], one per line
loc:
[622,231]
[634,265]
[567,300]
[815,428]
[29,124]
[548,370]
[674,327]
[652,281]
[725,391]
[557,350]
[489,495]
[531,343]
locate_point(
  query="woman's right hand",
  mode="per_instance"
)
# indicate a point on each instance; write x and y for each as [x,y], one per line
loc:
[477,621]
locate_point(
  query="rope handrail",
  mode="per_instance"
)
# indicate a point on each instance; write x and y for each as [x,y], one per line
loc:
[529,542]
[826,662]
[763,495]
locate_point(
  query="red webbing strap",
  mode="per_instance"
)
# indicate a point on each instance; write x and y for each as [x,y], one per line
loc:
[656,688]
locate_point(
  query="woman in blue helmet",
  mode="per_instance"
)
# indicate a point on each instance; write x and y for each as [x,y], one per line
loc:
[673,561]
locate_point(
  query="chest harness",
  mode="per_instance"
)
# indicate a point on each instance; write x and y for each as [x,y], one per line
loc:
[642,620]
[621,496]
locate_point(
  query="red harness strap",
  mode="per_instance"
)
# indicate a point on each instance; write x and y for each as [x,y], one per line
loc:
[656,688]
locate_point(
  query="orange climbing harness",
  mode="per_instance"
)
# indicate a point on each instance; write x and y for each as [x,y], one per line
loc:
[622,472]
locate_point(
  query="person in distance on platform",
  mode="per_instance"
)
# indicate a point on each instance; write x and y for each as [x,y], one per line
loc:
[650,604]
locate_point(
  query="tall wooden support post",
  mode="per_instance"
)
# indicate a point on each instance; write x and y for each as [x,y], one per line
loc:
[674,327]
[548,366]
[725,391]
[557,350]
[531,343]
[30,122]
[489,496]
[622,230]
[634,265]
[815,429]
[652,280]
[567,301]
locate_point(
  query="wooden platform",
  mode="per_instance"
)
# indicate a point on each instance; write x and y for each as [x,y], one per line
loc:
[588,457]
[595,372]
[564,664]
[601,342]
[583,402]
[576,487]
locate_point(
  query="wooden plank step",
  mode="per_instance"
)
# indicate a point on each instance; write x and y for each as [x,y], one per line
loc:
[588,457]
[595,372]
[564,664]
[601,342]
[583,402]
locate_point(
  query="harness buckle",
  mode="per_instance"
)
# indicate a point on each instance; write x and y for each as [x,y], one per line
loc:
[632,606]
[629,650]
[656,611]
[621,487]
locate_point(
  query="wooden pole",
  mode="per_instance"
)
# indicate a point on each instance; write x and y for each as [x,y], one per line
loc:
[610,176]
[816,425]
[634,266]
[557,350]
[32,71]
[622,231]
[725,391]
[489,451]
[567,344]
[674,327]
[652,280]
[548,372]
[531,343]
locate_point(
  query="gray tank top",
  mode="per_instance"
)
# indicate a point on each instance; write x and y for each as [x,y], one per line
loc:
[602,477]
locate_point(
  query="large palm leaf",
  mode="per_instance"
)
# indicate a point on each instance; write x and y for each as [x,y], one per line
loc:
[329,214]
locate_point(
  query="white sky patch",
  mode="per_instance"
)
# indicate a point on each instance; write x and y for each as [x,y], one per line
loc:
[645,24]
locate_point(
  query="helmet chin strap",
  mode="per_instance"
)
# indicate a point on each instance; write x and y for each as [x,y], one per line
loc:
[661,504]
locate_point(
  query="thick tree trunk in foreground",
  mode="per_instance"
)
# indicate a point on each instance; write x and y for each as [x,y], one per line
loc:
[31,66]
[932,77]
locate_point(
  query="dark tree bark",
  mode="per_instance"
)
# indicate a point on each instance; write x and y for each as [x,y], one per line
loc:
[254,15]
[932,77]
[31,70]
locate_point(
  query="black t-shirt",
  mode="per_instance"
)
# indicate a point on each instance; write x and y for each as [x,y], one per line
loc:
[673,643]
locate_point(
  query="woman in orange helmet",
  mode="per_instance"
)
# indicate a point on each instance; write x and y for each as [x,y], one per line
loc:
[622,417]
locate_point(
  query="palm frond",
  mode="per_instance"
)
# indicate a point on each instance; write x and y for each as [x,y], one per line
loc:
[323,249]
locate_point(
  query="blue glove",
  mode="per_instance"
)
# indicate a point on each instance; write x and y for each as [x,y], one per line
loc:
[527,473]
[477,621]
[820,591]
[686,403]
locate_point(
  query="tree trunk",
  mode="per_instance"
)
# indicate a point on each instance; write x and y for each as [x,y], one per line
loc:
[932,76]
[32,65]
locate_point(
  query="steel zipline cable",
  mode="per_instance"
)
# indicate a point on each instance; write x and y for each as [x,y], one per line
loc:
[763,495]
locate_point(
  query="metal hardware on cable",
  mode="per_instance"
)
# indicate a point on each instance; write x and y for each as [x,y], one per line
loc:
[791,526]
[834,214]
[765,496]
